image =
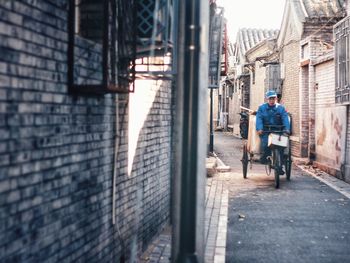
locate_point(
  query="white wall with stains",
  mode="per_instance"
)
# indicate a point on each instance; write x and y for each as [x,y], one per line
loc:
[330,119]
[330,127]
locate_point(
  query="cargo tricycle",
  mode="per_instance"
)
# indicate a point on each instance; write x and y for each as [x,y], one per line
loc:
[280,160]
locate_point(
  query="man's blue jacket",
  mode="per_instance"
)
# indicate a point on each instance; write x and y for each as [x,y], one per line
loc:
[272,115]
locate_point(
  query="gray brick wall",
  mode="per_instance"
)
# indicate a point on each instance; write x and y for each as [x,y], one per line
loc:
[304,111]
[325,79]
[315,50]
[331,143]
[257,89]
[233,112]
[290,92]
[57,152]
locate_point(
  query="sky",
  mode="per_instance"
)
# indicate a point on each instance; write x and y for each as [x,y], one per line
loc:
[260,14]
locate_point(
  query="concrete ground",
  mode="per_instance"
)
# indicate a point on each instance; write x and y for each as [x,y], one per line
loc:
[248,220]
[306,220]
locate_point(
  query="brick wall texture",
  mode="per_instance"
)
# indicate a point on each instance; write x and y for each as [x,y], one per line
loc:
[331,119]
[304,111]
[57,151]
[324,76]
[325,102]
[257,89]
[290,92]
[233,116]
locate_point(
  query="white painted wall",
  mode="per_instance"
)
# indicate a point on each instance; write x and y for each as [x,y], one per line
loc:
[330,119]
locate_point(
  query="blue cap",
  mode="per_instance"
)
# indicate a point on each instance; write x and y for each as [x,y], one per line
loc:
[270,93]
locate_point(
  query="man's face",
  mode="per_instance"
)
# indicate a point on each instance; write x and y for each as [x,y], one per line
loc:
[272,101]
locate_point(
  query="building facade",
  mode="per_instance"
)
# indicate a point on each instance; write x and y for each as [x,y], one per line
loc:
[83,176]
[302,20]
[243,77]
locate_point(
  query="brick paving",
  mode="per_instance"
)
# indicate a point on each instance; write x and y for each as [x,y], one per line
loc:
[216,205]
[160,250]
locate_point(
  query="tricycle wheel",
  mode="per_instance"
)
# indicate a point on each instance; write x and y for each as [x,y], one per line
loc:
[268,165]
[288,164]
[277,164]
[245,161]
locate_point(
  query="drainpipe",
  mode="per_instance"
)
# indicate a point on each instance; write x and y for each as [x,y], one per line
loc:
[191,115]
[211,139]
[116,146]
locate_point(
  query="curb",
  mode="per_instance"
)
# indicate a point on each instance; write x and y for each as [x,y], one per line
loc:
[333,182]
[221,167]
[220,247]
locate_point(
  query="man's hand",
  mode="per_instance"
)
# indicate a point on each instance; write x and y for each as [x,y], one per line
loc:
[260,132]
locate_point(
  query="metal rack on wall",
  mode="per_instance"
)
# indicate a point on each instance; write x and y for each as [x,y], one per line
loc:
[342,61]
[156,39]
[113,42]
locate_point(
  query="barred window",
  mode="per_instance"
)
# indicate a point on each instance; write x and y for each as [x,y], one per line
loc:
[100,46]
[342,62]
[112,42]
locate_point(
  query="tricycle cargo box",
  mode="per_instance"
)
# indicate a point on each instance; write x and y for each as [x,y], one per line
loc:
[253,144]
[278,140]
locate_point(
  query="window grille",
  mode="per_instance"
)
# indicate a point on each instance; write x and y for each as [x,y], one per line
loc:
[112,42]
[342,62]
[156,34]
[100,46]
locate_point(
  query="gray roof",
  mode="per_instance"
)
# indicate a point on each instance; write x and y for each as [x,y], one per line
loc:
[323,8]
[248,38]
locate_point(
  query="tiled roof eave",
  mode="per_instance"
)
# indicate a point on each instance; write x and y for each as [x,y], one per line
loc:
[323,19]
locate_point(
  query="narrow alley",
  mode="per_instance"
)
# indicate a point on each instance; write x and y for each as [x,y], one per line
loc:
[303,221]
[120,126]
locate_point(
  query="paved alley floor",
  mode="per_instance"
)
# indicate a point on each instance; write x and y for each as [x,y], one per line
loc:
[306,220]
[248,220]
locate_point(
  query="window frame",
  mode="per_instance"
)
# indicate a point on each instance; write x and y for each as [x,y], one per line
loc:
[109,55]
[342,61]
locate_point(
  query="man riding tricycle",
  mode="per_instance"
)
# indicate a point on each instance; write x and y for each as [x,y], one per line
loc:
[268,136]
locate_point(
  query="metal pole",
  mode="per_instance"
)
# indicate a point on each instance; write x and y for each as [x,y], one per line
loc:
[192,82]
[211,138]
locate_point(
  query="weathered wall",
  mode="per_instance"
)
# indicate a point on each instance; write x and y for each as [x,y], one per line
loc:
[290,91]
[216,107]
[234,109]
[330,136]
[258,85]
[257,89]
[304,124]
[330,123]
[239,98]
[57,151]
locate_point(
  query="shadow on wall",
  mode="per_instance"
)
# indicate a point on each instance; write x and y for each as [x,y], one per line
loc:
[144,188]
